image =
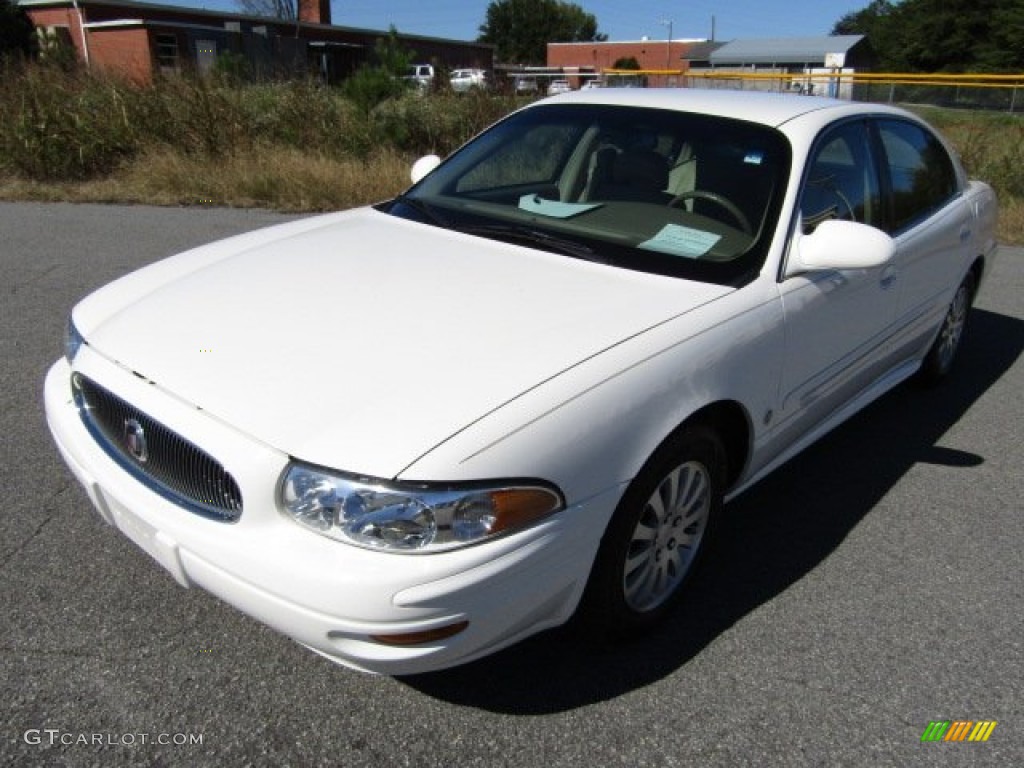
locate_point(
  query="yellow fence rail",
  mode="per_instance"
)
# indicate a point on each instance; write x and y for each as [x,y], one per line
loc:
[1003,92]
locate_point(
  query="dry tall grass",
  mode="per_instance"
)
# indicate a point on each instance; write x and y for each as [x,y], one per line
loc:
[299,146]
[283,179]
[991,147]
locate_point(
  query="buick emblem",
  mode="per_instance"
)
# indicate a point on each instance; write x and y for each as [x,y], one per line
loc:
[135,440]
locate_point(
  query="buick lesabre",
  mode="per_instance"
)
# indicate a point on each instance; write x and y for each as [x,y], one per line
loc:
[411,434]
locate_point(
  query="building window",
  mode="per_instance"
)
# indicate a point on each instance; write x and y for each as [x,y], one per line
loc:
[167,53]
[55,42]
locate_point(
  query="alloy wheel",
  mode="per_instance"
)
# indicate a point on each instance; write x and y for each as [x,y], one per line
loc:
[667,536]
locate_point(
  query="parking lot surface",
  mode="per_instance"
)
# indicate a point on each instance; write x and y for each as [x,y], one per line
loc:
[872,586]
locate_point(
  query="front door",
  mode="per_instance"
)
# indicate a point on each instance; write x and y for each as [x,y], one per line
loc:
[838,322]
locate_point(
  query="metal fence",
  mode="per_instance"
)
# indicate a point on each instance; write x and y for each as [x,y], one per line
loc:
[992,92]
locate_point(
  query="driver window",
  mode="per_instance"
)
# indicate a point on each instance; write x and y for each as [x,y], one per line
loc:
[841,180]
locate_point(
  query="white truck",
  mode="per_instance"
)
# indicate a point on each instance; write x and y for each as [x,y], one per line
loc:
[421,76]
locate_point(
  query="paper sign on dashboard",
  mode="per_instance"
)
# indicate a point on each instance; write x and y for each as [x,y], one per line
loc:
[681,241]
[553,208]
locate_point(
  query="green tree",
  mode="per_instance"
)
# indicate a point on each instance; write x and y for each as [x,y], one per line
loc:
[865,20]
[391,54]
[942,35]
[873,22]
[521,29]
[1007,51]
[16,32]
[376,82]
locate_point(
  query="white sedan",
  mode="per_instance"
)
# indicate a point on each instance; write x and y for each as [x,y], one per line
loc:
[558,86]
[411,434]
[463,80]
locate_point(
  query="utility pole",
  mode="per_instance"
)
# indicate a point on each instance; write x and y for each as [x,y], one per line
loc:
[668,43]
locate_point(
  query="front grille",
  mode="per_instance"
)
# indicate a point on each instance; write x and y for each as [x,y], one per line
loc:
[157,456]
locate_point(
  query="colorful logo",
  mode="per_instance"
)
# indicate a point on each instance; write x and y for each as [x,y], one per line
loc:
[958,730]
[135,440]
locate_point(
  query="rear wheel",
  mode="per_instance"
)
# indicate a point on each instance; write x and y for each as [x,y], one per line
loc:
[939,360]
[657,535]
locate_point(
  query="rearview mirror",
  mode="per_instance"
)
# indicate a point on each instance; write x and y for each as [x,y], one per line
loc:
[838,244]
[423,166]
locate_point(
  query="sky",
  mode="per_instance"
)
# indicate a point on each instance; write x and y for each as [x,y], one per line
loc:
[620,20]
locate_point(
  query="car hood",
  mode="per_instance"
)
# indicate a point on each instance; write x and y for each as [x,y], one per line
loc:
[361,341]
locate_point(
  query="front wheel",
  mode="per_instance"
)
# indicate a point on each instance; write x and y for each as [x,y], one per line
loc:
[657,535]
[939,360]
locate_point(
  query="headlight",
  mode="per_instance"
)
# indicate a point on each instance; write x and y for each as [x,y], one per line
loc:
[406,517]
[72,341]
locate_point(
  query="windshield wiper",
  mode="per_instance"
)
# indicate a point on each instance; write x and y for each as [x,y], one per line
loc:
[508,233]
[425,208]
[534,237]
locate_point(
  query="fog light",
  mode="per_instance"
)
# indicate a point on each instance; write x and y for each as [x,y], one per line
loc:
[422,637]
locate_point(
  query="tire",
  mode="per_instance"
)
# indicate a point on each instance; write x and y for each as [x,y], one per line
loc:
[940,358]
[657,535]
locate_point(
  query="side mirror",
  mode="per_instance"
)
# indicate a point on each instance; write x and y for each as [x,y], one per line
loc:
[423,166]
[838,244]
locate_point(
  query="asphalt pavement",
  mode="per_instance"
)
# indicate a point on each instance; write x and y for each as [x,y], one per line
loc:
[873,585]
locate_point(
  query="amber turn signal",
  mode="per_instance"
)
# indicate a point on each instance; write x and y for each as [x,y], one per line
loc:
[422,637]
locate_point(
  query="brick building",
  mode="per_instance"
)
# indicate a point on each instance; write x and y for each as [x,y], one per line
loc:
[139,40]
[686,62]
[665,57]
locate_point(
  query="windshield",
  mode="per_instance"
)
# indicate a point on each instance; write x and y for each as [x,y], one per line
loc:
[654,190]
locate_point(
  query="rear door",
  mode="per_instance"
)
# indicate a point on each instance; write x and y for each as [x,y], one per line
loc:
[930,220]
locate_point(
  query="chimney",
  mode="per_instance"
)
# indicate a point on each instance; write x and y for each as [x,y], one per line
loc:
[315,11]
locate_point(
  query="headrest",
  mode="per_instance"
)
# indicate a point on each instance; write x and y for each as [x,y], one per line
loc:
[641,167]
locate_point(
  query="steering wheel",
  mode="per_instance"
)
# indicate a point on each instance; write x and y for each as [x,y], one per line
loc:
[714,197]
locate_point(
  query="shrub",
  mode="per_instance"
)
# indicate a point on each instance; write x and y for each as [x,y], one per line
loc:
[370,86]
[991,145]
[440,123]
[58,125]
[193,114]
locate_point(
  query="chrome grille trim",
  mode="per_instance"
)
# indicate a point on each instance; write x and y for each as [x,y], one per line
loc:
[157,456]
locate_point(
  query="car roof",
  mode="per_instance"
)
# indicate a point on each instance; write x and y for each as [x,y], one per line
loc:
[774,109]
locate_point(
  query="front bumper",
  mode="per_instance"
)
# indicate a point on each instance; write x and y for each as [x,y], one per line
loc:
[329,596]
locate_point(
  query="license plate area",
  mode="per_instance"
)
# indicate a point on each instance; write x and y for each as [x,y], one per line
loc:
[150,540]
